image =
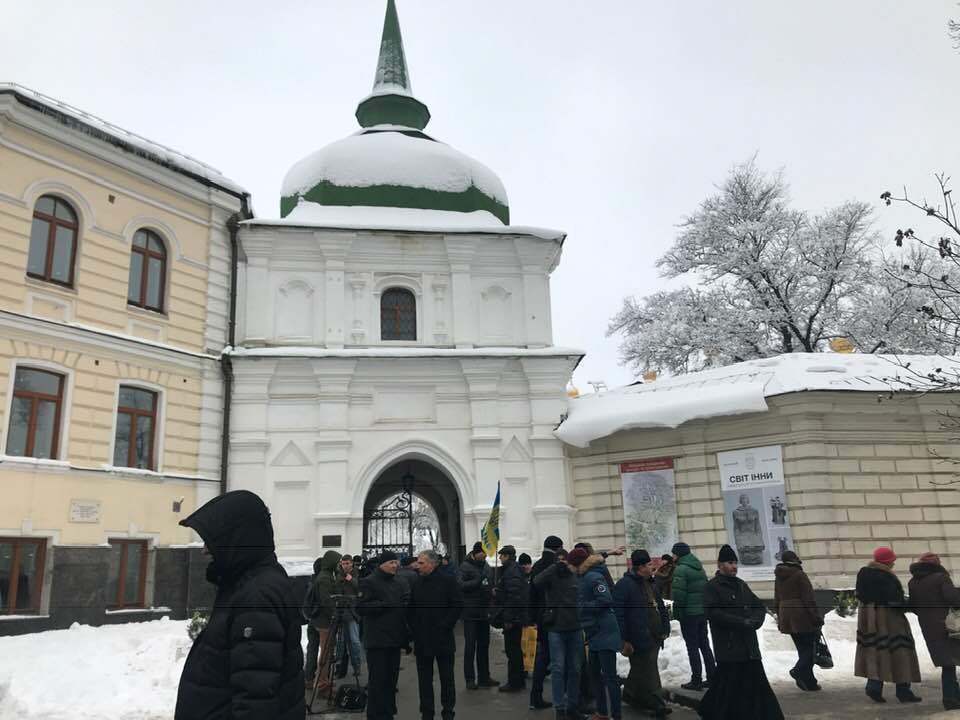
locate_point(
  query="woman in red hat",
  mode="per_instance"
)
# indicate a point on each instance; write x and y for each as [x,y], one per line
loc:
[885,648]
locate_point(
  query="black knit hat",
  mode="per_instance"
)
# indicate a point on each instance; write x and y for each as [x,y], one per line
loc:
[727,554]
[477,547]
[639,557]
[386,556]
[552,542]
[524,559]
[680,549]
[508,550]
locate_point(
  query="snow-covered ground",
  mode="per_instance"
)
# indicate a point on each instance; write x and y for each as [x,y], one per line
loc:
[131,672]
[779,653]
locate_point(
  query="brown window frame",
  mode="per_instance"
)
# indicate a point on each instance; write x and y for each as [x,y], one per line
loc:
[147,253]
[135,413]
[53,221]
[10,608]
[397,311]
[117,603]
[35,399]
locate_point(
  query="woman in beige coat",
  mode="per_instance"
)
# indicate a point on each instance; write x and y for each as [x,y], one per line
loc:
[885,648]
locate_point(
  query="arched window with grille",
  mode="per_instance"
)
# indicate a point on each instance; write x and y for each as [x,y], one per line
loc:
[53,241]
[148,271]
[398,315]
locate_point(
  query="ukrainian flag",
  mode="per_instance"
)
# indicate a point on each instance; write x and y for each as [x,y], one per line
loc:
[490,534]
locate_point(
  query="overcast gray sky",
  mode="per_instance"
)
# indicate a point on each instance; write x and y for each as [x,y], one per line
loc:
[610,120]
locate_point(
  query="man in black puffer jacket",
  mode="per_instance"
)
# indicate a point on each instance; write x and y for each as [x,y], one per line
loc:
[247,664]
[382,604]
[476,583]
[512,598]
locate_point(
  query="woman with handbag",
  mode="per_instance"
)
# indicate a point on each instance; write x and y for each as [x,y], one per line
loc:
[797,616]
[885,648]
[932,597]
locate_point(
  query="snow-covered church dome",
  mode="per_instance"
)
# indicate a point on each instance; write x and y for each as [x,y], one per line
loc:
[391,166]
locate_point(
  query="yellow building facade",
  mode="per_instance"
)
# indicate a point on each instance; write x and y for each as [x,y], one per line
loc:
[114,309]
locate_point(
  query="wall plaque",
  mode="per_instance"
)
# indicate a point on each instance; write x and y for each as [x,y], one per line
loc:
[84,511]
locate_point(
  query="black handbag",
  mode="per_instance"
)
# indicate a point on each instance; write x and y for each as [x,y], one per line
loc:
[351,697]
[821,654]
[495,617]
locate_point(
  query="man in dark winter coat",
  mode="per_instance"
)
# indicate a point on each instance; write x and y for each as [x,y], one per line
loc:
[739,689]
[551,545]
[435,607]
[932,594]
[644,625]
[689,582]
[318,610]
[557,586]
[247,664]
[511,599]
[797,616]
[476,584]
[382,605]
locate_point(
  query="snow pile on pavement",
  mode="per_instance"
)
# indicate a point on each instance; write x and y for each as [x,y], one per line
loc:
[780,655]
[114,672]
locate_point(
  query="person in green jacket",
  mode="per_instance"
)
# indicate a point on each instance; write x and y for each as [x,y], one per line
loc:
[689,582]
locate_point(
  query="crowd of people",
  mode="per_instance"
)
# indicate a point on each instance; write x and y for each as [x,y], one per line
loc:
[248,662]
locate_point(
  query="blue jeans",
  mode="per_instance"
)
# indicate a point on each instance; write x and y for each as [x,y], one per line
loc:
[566,656]
[350,641]
[603,663]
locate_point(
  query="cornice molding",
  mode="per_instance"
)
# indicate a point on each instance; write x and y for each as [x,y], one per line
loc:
[51,331]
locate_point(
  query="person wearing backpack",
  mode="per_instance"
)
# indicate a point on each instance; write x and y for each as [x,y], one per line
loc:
[318,609]
[687,587]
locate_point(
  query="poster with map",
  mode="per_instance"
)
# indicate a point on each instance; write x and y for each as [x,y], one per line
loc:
[755,508]
[649,505]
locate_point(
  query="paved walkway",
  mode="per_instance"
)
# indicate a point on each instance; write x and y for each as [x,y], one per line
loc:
[842,698]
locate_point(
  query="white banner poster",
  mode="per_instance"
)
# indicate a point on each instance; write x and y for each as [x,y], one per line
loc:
[755,508]
[649,505]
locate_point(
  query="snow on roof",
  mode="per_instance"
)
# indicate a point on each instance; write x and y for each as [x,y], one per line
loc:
[363,217]
[392,158]
[161,154]
[738,389]
[400,352]
[314,213]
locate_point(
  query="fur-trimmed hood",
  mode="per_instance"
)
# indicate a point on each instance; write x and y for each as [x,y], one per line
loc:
[591,562]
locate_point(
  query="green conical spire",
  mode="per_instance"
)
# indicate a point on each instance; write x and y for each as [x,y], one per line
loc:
[392,101]
[392,64]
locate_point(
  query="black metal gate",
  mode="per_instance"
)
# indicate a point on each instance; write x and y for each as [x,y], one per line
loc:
[390,526]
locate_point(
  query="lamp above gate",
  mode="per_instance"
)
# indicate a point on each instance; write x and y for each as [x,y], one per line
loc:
[406,481]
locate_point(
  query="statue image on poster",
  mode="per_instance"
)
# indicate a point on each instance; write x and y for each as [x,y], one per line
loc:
[755,507]
[747,532]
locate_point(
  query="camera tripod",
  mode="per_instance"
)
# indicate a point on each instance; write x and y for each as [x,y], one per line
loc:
[323,681]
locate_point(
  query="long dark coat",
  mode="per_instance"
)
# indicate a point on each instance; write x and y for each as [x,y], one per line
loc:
[435,607]
[932,593]
[643,618]
[247,664]
[794,600]
[513,595]
[735,614]
[885,648]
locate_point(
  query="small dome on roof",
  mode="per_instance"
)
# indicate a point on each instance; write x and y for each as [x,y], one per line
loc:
[391,162]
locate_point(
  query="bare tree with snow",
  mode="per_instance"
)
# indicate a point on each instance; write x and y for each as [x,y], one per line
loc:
[768,279]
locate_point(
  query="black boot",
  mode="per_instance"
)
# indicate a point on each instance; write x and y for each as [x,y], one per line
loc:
[907,696]
[538,703]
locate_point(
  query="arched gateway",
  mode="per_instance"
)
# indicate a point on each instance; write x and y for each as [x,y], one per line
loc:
[413,505]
